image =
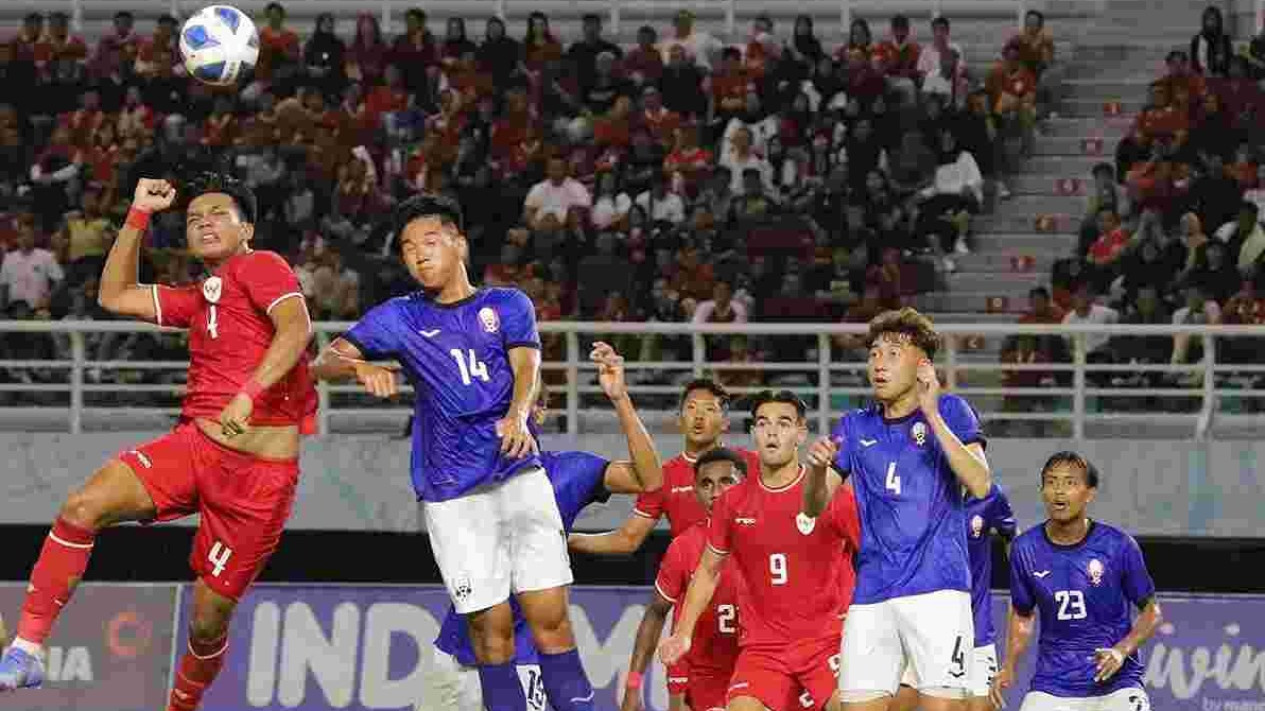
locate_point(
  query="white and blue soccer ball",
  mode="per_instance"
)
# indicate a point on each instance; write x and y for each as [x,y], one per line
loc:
[219,44]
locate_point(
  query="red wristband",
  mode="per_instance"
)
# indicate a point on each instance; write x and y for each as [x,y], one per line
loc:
[137,219]
[252,388]
[633,680]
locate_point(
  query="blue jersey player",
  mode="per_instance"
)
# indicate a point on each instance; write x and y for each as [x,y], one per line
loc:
[578,479]
[909,456]
[985,517]
[1085,578]
[473,357]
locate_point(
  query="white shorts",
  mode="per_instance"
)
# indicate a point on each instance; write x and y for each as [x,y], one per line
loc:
[1130,699]
[497,540]
[983,669]
[449,686]
[933,633]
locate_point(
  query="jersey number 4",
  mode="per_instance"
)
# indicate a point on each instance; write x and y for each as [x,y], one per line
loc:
[469,365]
[893,479]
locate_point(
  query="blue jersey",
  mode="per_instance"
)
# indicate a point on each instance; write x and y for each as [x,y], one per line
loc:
[913,531]
[990,514]
[578,480]
[457,357]
[1084,593]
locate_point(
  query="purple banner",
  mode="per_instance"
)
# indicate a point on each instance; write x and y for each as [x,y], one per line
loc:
[111,649]
[351,647]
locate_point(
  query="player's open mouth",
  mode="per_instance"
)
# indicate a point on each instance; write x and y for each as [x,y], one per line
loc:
[1059,505]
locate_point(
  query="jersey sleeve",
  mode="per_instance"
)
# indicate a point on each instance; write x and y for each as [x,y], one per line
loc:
[720,525]
[175,306]
[650,504]
[674,574]
[269,280]
[376,334]
[1021,594]
[962,420]
[519,321]
[842,517]
[1001,518]
[1136,582]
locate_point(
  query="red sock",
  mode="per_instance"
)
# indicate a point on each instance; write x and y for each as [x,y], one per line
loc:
[198,668]
[57,572]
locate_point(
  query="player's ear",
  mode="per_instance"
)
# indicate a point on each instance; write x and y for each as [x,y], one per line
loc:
[248,231]
[802,436]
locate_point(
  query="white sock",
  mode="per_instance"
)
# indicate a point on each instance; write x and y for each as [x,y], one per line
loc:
[31,648]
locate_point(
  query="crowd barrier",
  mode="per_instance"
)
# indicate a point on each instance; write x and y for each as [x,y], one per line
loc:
[361,648]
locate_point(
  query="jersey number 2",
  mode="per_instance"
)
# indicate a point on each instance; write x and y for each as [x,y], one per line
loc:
[1071,604]
[725,615]
[475,368]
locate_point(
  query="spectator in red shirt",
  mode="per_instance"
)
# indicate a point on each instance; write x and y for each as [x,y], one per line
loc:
[689,164]
[60,45]
[162,47]
[539,45]
[368,56]
[762,49]
[1161,120]
[27,41]
[1036,51]
[279,48]
[415,50]
[899,55]
[219,129]
[85,120]
[1106,252]
[655,117]
[387,102]
[729,86]
[644,64]
[860,43]
[116,48]
[1012,88]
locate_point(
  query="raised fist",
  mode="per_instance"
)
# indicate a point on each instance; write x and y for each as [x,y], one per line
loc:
[153,195]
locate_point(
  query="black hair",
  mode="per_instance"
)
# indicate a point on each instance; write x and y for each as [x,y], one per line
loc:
[1247,206]
[1040,291]
[591,17]
[710,386]
[275,6]
[1035,13]
[166,18]
[124,15]
[940,20]
[900,21]
[243,197]
[428,205]
[1104,167]
[1067,457]
[721,454]
[764,397]
[731,53]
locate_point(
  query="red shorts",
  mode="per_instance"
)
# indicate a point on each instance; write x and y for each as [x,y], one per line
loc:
[707,692]
[244,502]
[777,675]
[679,678]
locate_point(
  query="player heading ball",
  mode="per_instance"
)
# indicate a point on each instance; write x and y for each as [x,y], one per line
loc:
[909,455]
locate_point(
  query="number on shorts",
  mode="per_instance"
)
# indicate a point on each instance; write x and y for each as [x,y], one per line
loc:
[212,322]
[777,568]
[958,658]
[535,691]
[725,615]
[219,556]
[893,481]
[476,368]
[833,663]
[1071,604]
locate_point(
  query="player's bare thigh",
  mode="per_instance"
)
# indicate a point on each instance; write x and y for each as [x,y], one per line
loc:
[263,442]
[113,494]
[907,700]
[746,703]
[546,613]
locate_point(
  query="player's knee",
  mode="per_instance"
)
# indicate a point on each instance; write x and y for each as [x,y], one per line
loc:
[85,508]
[207,626]
[852,698]
[553,635]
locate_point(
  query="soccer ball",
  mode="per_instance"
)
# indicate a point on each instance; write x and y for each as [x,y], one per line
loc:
[219,43]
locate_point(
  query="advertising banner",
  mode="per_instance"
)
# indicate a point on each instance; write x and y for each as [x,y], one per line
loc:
[360,648]
[110,651]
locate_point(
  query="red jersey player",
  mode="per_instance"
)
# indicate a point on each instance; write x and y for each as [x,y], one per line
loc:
[703,419]
[715,645]
[796,571]
[233,457]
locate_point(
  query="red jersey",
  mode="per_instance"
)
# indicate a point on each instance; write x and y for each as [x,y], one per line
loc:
[796,571]
[675,499]
[229,332]
[714,647]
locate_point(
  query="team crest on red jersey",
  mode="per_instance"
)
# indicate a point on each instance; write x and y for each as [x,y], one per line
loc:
[212,289]
[805,523]
[491,322]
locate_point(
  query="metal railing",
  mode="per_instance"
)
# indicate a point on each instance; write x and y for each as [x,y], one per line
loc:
[824,368]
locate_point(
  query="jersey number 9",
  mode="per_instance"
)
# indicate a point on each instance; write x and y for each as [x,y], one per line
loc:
[777,568]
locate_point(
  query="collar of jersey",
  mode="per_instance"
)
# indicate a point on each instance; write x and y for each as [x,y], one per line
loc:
[780,489]
[1069,546]
[451,304]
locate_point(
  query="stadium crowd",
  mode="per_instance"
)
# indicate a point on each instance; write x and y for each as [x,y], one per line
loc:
[680,179]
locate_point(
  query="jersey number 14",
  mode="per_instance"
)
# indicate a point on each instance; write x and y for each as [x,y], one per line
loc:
[469,365]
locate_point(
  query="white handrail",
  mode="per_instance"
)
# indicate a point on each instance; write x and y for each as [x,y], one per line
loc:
[814,378]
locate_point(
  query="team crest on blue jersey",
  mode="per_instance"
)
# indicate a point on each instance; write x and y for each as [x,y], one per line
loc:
[212,289]
[1095,570]
[919,432]
[491,322]
[977,526]
[805,523]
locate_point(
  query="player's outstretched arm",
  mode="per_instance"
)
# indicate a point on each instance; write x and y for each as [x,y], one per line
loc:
[644,470]
[1110,660]
[623,541]
[341,360]
[697,597]
[967,461]
[822,480]
[120,291]
[1019,628]
[648,633]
